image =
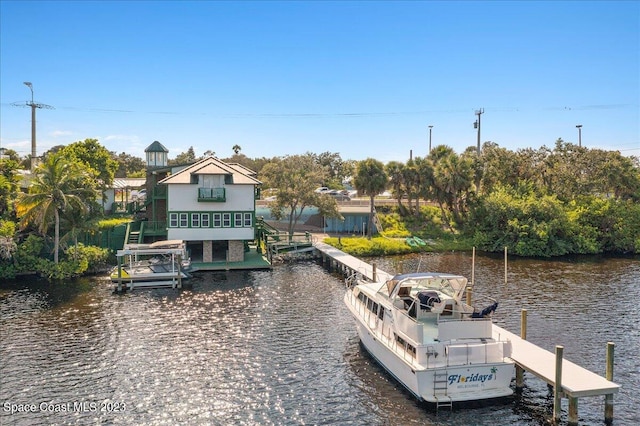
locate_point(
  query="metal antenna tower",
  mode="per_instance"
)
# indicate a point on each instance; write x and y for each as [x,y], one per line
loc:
[33,106]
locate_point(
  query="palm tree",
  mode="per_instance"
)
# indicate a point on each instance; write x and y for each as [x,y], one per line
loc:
[370,179]
[236,149]
[58,185]
[453,180]
[395,171]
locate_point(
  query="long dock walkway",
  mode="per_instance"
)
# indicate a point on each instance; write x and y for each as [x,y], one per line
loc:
[575,381]
[352,263]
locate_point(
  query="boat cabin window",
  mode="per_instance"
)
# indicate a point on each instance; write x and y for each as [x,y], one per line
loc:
[411,350]
[404,291]
[371,305]
[447,310]
[391,285]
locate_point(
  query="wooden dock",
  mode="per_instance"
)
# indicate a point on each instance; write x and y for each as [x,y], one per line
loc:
[575,381]
[344,261]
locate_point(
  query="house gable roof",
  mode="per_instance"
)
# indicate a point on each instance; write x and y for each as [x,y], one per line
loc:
[242,169]
[213,166]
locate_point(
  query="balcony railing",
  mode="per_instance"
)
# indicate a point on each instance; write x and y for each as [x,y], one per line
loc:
[211,194]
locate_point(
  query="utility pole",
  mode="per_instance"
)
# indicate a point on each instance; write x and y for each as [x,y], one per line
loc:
[476,125]
[579,126]
[33,106]
[430,127]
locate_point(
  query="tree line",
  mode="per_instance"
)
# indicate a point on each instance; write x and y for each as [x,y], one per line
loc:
[537,202]
[545,202]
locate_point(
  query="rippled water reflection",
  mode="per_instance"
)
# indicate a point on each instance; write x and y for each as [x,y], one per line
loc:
[279,348]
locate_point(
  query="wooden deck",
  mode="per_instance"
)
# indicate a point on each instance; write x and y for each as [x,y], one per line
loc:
[576,381]
[351,262]
[252,260]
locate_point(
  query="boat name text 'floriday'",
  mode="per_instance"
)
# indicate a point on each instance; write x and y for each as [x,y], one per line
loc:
[458,378]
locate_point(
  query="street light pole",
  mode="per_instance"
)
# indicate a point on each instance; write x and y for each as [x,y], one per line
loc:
[430,127]
[579,126]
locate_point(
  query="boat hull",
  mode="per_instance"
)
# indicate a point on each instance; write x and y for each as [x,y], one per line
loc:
[439,361]
[454,383]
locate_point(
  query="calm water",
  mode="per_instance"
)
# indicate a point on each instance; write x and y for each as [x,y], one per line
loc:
[279,348]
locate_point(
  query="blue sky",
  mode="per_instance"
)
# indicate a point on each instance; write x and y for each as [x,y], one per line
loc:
[363,79]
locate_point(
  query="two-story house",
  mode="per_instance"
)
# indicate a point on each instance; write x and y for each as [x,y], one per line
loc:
[211,206]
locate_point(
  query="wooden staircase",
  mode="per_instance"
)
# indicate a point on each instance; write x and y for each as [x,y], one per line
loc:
[134,237]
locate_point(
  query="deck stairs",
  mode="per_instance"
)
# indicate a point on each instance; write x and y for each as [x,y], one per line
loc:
[440,391]
[134,237]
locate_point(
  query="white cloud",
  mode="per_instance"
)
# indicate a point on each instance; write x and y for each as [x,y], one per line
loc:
[130,144]
[60,133]
[22,147]
[124,138]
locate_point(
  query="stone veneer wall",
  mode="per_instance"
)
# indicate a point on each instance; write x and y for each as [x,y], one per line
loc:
[207,251]
[236,251]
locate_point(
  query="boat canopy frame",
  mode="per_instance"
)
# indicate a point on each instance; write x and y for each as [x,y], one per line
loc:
[451,285]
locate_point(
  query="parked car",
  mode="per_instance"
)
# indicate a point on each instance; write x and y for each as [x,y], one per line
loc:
[339,196]
[139,195]
[322,190]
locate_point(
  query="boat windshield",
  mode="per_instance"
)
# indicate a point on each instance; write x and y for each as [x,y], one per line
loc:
[450,285]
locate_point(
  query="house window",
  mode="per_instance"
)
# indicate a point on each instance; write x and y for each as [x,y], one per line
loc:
[248,220]
[204,219]
[184,220]
[217,220]
[226,220]
[195,220]
[173,220]
[237,220]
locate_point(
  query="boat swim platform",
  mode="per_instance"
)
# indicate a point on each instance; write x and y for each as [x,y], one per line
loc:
[575,381]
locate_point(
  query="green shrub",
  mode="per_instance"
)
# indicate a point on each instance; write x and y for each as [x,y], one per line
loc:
[112,222]
[363,247]
[88,258]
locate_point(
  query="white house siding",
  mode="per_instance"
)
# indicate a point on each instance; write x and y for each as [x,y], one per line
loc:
[183,198]
[214,234]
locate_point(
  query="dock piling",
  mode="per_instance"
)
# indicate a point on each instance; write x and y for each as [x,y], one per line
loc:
[608,398]
[523,335]
[557,390]
[179,263]
[505,264]
[573,411]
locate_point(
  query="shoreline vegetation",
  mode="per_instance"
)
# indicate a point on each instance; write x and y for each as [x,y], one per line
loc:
[539,203]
